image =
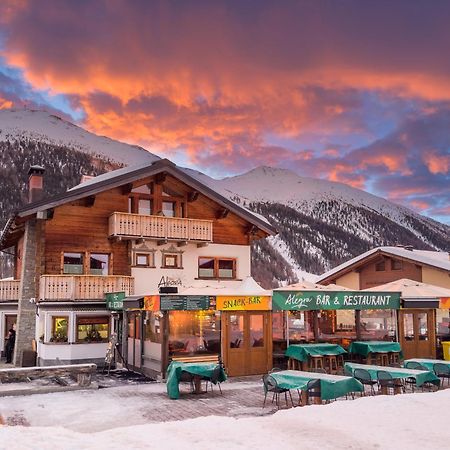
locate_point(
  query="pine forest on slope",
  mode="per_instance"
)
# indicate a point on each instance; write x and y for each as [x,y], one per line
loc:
[321,224]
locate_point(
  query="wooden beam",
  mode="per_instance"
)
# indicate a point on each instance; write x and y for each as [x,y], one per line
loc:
[89,201]
[202,244]
[127,188]
[162,242]
[223,213]
[160,178]
[192,196]
[182,243]
[252,230]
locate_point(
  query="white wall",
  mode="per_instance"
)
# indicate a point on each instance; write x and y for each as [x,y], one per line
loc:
[70,350]
[147,279]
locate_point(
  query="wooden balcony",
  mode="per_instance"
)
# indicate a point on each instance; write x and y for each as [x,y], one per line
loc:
[9,290]
[83,287]
[160,228]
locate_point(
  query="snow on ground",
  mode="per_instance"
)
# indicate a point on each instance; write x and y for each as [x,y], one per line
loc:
[71,421]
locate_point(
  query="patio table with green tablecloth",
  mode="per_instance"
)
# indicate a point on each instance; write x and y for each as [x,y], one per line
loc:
[428,363]
[198,369]
[421,376]
[331,386]
[301,352]
[363,348]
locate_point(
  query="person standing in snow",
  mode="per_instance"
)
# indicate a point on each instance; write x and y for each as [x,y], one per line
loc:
[10,345]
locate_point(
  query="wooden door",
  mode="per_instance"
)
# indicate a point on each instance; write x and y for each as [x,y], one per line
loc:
[247,342]
[417,331]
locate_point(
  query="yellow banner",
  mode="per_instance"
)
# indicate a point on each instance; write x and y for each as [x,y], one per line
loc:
[445,303]
[151,303]
[243,303]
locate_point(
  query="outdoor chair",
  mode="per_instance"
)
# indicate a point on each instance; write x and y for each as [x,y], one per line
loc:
[443,372]
[214,378]
[271,385]
[313,390]
[363,376]
[410,381]
[386,382]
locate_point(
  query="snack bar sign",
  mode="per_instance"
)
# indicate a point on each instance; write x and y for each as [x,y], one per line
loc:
[315,300]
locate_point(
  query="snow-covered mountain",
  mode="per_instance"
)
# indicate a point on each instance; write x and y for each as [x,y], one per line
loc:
[25,124]
[321,223]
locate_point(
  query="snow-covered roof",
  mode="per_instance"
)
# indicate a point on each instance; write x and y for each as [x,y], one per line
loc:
[308,286]
[413,289]
[248,287]
[437,259]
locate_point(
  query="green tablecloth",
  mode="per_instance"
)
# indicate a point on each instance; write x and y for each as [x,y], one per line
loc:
[174,374]
[365,347]
[428,363]
[302,351]
[421,376]
[331,386]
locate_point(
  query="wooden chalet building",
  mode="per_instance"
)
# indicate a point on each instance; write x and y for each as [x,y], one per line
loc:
[422,327]
[129,231]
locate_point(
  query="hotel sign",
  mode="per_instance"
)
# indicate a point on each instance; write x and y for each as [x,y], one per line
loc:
[114,301]
[319,300]
[243,303]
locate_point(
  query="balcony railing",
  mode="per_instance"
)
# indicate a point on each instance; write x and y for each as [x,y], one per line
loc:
[157,227]
[83,287]
[9,290]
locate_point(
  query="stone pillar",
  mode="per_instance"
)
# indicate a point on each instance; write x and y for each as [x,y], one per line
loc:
[28,292]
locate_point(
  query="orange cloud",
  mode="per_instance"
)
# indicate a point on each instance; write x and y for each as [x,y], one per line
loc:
[437,163]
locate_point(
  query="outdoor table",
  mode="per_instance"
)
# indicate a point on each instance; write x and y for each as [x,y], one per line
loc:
[302,352]
[198,369]
[363,348]
[331,386]
[421,376]
[428,363]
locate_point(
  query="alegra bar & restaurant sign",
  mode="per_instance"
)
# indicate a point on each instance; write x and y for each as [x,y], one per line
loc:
[314,300]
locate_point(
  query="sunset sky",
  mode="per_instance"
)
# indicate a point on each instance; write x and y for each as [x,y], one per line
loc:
[351,91]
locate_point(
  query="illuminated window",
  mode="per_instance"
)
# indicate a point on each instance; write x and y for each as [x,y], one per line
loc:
[92,329]
[194,332]
[60,327]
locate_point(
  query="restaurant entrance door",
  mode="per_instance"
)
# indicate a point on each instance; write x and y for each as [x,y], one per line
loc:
[247,342]
[417,332]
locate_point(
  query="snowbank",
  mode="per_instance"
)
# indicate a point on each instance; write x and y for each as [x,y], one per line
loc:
[413,421]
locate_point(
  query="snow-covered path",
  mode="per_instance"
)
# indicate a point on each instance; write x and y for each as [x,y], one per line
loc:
[412,421]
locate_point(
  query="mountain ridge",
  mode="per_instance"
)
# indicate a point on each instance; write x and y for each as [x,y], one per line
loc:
[321,223]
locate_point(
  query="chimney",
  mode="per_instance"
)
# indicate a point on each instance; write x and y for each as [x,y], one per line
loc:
[35,183]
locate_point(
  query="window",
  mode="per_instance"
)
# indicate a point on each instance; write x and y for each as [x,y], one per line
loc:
[223,268]
[256,330]
[92,329]
[300,326]
[168,209]
[98,264]
[380,266]
[73,263]
[60,326]
[194,332]
[396,264]
[171,261]
[144,206]
[378,324]
[144,259]
[152,327]
[337,326]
